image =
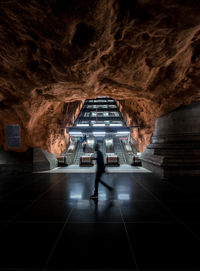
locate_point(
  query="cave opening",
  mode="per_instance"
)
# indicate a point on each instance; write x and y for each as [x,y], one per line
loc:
[100,122]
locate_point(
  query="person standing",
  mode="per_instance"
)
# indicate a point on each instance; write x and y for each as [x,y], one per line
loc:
[100,171]
[84,143]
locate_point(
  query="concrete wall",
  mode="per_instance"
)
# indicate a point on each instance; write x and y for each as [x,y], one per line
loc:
[14,162]
[175,148]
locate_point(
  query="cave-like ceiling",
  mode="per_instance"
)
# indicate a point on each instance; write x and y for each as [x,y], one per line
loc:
[53,52]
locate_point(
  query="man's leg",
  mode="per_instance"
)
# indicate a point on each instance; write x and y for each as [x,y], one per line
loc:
[97,179]
[95,195]
[105,184]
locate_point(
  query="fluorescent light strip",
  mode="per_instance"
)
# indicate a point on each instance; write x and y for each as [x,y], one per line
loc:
[115,124]
[99,133]
[76,133]
[99,124]
[83,124]
[123,132]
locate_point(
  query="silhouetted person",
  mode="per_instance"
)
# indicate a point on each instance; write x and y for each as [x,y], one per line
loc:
[100,171]
[84,142]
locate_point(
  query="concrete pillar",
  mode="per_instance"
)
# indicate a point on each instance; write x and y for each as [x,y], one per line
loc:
[175,147]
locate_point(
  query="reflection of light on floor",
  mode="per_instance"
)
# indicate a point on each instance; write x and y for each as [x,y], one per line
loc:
[75,196]
[83,204]
[123,196]
[102,196]
[76,191]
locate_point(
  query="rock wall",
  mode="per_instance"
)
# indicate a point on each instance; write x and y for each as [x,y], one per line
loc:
[42,124]
[140,115]
[53,53]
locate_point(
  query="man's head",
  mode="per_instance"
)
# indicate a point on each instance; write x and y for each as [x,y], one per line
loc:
[96,147]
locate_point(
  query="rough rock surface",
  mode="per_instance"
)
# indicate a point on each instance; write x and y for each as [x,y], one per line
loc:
[145,53]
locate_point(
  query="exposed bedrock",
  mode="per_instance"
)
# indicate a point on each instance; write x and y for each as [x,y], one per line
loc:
[42,123]
[54,54]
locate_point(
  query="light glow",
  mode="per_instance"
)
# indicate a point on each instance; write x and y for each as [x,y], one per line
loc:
[99,124]
[123,196]
[82,124]
[99,133]
[115,124]
[123,132]
[76,133]
[75,196]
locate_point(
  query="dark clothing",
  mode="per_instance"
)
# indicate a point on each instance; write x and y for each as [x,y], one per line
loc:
[100,162]
[84,142]
[100,171]
[97,181]
[84,138]
[84,146]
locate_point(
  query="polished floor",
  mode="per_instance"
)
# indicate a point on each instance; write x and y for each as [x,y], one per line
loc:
[48,222]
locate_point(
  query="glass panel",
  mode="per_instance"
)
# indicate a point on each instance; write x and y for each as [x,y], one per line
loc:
[112,106]
[102,106]
[87,114]
[116,123]
[100,114]
[91,106]
[114,114]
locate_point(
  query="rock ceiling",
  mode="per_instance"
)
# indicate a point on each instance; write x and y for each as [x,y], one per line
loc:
[54,54]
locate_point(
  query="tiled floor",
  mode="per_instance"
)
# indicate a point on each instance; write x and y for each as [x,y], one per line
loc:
[48,222]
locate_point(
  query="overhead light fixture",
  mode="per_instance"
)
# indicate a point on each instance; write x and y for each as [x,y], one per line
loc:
[123,132]
[76,133]
[99,124]
[115,124]
[82,124]
[99,133]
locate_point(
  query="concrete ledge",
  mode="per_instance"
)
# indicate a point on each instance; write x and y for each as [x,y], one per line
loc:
[175,147]
[43,160]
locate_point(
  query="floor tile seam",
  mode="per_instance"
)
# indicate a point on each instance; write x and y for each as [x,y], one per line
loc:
[20,269]
[182,200]
[177,218]
[37,222]
[181,190]
[28,206]
[51,221]
[11,201]
[19,188]
[102,222]
[63,222]
[57,240]
[177,189]
[129,241]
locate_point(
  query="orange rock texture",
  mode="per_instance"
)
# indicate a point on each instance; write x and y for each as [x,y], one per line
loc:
[54,54]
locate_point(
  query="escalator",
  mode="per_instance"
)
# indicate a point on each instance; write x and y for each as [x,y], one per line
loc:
[85,158]
[119,151]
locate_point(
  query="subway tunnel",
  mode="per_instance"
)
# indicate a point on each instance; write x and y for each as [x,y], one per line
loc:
[120,75]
